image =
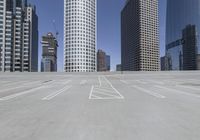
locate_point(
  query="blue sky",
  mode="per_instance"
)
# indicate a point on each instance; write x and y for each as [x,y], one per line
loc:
[108,25]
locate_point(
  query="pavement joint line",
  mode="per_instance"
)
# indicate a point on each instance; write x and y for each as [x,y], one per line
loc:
[125,82]
[157,95]
[92,88]
[188,87]
[20,94]
[157,82]
[14,83]
[113,88]
[194,80]
[83,82]
[53,95]
[33,83]
[98,92]
[8,89]
[141,82]
[99,81]
[67,82]
[178,91]
[49,82]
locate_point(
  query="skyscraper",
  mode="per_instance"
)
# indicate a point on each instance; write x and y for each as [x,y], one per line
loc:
[163,63]
[2,32]
[80,35]
[118,67]
[139,36]
[182,34]
[18,36]
[107,62]
[103,61]
[49,53]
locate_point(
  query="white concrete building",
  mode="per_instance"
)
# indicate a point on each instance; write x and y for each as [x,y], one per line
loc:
[80,35]
[139,36]
[19,39]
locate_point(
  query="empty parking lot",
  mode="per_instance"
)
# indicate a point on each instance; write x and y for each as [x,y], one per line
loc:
[100,106]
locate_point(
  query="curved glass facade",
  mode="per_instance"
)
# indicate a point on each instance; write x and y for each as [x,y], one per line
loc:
[182,34]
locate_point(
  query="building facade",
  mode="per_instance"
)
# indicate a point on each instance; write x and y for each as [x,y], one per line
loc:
[80,35]
[49,53]
[163,63]
[118,67]
[2,32]
[139,36]
[182,34]
[108,62]
[101,61]
[19,37]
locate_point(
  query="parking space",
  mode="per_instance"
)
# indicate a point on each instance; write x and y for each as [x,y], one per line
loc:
[100,106]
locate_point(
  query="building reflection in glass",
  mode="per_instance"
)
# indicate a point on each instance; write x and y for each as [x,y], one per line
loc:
[182,35]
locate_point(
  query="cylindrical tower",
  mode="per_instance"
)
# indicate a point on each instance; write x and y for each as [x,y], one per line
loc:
[80,35]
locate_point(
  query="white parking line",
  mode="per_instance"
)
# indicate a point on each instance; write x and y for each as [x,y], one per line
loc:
[53,95]
[99,81]
[96,97]
[178,91]
[20,94]
[102,93]
[105,90]
[157,95]
[188,87]
[113,87]
[90,96]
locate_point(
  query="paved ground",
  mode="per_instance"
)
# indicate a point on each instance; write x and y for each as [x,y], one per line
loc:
[109,106]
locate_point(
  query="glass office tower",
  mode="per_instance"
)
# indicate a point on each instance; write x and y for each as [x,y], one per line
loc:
[182,34]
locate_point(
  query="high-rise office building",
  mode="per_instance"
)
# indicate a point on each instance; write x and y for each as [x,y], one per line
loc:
[108,62]
[101,61]
[118,67]
[182,34]
[2,35]
[139,36]
[80,35]
[18,36]
[49,53]
[163,63]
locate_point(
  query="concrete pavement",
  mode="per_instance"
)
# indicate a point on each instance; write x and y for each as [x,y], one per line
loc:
[100,106]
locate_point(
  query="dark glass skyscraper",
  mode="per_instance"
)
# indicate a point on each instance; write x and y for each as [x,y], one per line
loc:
[182,34]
